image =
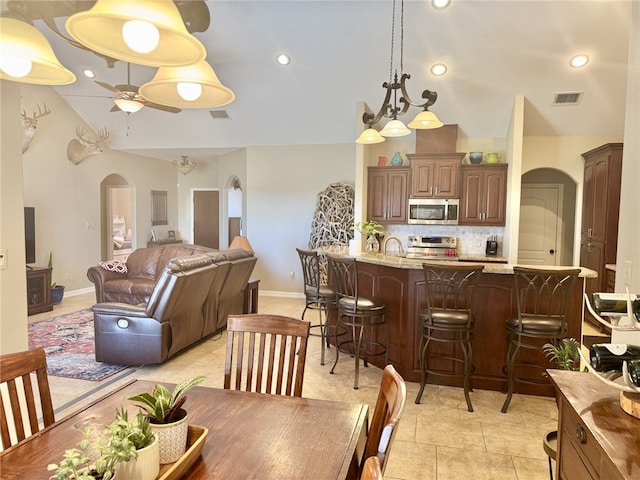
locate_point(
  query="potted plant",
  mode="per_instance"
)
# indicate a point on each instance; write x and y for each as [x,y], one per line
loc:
[565,355]
[146,463]
[371,230]
[57,291]
[167,418]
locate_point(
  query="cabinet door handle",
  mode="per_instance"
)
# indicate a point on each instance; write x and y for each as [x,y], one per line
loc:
[436,190]
[590,232]
[580,434]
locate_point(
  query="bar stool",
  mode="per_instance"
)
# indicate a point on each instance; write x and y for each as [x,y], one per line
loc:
[542,296]
[448,319]
[318,296]
[359,314]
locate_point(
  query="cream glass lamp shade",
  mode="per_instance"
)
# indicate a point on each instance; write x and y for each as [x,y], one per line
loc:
[425,120]
[103,28]
[242,243]
[370,136]
[129,106]
[165,87]
[27,57]
[395,128]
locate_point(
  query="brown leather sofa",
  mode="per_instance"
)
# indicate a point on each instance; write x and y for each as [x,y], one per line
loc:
[191,300]
[144,267]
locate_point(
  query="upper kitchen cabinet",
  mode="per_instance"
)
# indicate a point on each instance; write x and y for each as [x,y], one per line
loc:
[435,175]
[600,210]
[387,196]
[484,194]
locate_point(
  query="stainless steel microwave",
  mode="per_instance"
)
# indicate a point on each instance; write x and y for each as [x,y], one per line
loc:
[434,211]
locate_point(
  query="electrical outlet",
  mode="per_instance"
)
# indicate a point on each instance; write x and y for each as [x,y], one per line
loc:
[292,275]
[627,273]
[3,258]
[89,225]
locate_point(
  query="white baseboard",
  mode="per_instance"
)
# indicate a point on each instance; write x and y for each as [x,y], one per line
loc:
[80,291]
[272,293]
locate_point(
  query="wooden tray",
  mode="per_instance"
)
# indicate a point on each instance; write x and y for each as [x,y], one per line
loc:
[195,442]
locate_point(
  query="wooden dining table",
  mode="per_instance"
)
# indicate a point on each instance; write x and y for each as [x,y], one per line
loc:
[250,435]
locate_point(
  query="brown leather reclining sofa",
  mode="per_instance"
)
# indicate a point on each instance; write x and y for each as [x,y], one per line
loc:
[190,300]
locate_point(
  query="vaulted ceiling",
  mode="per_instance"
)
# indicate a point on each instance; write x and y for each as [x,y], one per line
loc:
[340,53]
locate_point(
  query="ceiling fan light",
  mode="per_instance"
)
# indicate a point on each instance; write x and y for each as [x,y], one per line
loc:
[27,57]
[128,106]
[140,36]
[370,136]
[101,29]
[163,88]
[425,120]
[189,91]
[395,128]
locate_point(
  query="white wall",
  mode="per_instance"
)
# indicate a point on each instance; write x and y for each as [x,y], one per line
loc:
[281,188]
[629,228]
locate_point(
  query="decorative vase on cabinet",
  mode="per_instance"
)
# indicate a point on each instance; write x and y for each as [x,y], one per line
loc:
[396,160]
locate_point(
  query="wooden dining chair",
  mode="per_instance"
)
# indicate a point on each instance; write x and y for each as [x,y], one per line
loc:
[266,354]
[386,415]
[372,469]
[16,371]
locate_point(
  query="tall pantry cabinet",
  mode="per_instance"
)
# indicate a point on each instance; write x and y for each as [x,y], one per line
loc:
[600,211]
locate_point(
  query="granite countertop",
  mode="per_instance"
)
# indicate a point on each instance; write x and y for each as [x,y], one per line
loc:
[416,263]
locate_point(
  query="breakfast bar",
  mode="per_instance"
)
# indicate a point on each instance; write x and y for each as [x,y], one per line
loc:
[399,282]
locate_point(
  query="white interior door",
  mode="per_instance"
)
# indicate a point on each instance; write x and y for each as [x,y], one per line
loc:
[540,225]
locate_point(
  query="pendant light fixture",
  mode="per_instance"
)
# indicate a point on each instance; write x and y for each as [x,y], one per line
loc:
[395,128]
[186,165]
[193,86]
[144,32]
[26,56]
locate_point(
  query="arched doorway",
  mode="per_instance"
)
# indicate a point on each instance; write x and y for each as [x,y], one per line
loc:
[117,218]
[547,218]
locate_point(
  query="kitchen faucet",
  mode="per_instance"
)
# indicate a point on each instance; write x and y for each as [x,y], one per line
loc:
[398,241]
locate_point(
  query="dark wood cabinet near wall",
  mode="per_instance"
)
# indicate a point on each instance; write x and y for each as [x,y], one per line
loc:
[387,194]
[600,211]
[38,290]
[484,194]
[434,175]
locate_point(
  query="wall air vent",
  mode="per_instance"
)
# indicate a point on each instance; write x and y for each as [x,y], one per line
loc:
[218,114]
[567,98]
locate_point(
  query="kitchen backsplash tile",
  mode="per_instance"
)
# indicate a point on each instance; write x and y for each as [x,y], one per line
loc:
[471,240]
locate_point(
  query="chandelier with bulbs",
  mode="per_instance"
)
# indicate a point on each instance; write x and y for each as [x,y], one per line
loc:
[186,165]
[395,128]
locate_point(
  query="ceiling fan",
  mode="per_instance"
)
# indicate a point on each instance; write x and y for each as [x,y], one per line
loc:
[129,100]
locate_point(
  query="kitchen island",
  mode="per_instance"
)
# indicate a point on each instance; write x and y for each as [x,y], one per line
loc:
[399,282]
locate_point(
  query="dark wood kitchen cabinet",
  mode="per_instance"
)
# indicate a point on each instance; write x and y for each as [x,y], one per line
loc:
[435,175]
[387,194]
[600,211]
[38,290]
[484,194]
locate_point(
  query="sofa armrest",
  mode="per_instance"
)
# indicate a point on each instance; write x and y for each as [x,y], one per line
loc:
[98,276]
[120,309]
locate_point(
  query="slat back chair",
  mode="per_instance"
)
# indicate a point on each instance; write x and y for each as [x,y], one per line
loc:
[542,297]
[266,354]
[16,371]
[389,406]
[372,469]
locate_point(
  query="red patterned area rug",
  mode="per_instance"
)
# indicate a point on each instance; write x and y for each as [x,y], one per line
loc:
[68,342]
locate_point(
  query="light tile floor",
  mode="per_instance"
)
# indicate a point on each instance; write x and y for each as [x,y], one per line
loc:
[436,440]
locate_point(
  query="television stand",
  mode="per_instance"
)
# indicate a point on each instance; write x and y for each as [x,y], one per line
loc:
[38,290]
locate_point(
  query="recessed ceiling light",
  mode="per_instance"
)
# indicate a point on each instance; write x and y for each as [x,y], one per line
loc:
[283,59]
[580,60]
[87,72]
[440,4]
[438,69]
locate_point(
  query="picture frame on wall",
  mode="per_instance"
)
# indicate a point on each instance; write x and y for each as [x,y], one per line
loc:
[172,234]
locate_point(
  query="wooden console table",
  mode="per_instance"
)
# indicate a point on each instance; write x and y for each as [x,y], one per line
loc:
[596,438]
[250,297]
[38,290]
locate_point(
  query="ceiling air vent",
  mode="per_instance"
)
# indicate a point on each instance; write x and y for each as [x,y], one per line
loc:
[567,98]
[218,114]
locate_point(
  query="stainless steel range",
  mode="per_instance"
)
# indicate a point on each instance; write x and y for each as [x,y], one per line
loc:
[434,248]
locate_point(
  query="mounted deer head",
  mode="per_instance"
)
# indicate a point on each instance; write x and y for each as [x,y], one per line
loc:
[29,125]
[80,148]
